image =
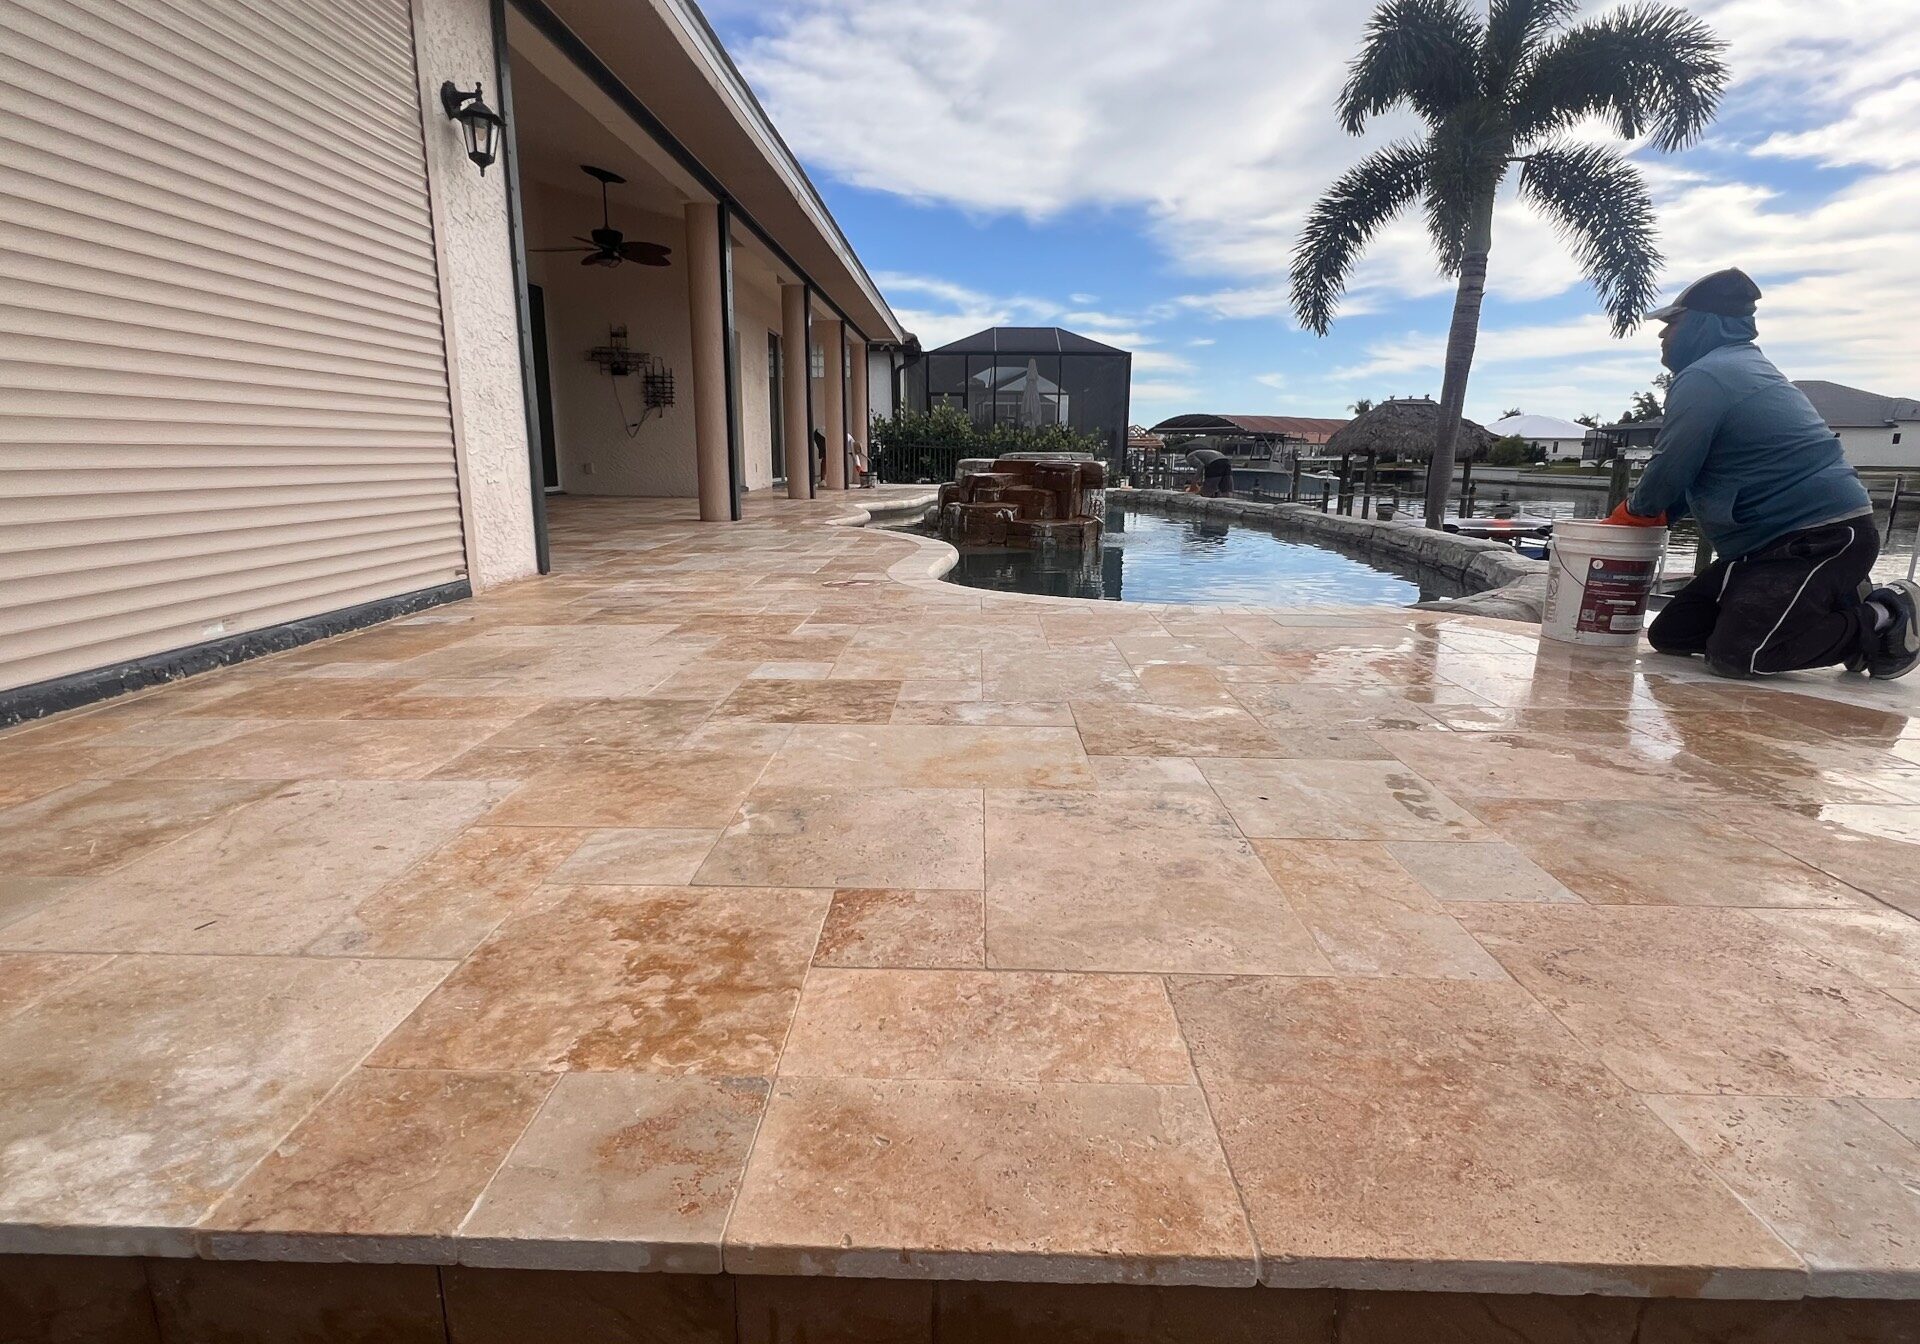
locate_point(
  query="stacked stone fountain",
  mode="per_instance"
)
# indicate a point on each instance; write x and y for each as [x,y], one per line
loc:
[1037,501]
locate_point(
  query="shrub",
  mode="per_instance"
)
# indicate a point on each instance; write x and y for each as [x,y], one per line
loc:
[1512,451]
[924,445]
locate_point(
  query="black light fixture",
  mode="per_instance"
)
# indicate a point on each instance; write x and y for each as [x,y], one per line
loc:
[480,123]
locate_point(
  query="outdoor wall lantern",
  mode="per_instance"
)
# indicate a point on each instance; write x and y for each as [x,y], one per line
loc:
[478,122]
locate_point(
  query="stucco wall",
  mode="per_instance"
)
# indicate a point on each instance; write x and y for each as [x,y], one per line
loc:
[596,453]
[879,383]
[453,39]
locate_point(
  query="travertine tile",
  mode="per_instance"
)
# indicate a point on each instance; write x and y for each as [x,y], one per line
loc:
[880,926]
[642,789]
[342,749]
[295,697]
[914,756]
[1362,1116]
[385,1168]
[637,857]
[1122,729]
[628,979]
[620,1171]
[1013,1026]
[1876,849]
[1480,870]
[1881,947]
[1837,1183]
[612,725]
[28,977]
[1336,800]
[1057,676]
[909,1179]
[1540,766]
[1151,774]
[90,828]
[268,878]
[512,1306]
[453,898]
[770,700]
[985,713]
[1704,1001]
[851,838]
[1620,853]
[1133,882]
[132,1097]
[1368,915]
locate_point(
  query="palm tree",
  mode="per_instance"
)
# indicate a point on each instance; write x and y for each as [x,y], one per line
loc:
[1496,92]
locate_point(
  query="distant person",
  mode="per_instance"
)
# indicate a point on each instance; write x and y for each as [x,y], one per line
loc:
[1743,451]
[1216,471]
[819,454]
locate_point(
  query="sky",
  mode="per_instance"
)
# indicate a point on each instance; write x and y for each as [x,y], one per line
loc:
[1137,171]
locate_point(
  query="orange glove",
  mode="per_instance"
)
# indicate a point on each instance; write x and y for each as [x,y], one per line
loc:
[1621,518]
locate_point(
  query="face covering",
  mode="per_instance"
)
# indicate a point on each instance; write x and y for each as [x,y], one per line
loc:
[1697,333]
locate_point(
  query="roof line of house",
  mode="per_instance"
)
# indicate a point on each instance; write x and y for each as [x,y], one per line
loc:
[754,117]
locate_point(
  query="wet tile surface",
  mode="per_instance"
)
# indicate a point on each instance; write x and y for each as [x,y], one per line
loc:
[721,901]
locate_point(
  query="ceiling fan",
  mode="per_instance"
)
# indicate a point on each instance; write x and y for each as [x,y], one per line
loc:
[606,245]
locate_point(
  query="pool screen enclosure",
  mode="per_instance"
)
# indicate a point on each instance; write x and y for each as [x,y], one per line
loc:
[1030,376]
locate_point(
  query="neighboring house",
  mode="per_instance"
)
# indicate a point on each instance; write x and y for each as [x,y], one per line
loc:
[1257,436]
[1635,436]
[287,359]
[1874,430]
[1561,440]
[1032,376]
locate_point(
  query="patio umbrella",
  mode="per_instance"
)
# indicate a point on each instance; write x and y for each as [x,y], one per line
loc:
[1030,396]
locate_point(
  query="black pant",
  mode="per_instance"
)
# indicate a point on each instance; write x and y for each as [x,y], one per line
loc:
[1795,604]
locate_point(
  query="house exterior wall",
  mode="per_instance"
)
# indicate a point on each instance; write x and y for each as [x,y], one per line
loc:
[597,453]
[1873,446]
[880,383]
[453,39]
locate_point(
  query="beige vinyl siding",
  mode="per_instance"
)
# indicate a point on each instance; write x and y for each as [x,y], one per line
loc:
[223,390]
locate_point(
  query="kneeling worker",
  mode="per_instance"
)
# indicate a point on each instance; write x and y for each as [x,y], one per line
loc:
[1743,450]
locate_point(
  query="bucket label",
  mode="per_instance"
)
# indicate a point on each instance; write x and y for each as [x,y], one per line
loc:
[1614,598]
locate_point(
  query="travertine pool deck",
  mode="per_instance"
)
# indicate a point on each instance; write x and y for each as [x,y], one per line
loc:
[739,897]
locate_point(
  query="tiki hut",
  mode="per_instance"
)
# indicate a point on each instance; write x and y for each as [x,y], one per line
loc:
[1406,428]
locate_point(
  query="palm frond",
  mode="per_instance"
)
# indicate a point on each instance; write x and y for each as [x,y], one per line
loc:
[1599,204]
[1645,68]
[1420,52]
[1354,208]
[1514,29]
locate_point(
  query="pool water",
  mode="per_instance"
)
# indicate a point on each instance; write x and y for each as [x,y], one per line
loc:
[1148,557]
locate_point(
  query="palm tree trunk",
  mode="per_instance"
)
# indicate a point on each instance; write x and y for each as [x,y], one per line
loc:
[1461,338]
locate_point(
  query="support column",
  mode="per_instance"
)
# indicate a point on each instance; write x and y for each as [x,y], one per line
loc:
[793,389]
[833,414]
[707,319]
[858,416]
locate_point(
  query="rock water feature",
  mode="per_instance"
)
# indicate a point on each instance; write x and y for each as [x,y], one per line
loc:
[1035,501]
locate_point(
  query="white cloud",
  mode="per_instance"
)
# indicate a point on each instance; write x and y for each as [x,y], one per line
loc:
[1201,340]
[1005,106]
[1273,380]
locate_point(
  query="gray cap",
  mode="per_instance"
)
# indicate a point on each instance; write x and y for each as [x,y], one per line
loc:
[1730,293]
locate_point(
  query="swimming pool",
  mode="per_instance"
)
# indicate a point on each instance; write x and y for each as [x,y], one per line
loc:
[1149,557]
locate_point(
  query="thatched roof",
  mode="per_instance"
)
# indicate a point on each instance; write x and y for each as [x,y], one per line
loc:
[1406,427]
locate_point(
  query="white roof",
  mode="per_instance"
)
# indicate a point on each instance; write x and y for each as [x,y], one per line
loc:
[1537,427]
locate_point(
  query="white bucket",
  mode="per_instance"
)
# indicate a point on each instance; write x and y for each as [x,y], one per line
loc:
[1599,576]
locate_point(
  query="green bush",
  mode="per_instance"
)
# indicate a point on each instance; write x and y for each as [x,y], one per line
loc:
[1512,451]
[924,445]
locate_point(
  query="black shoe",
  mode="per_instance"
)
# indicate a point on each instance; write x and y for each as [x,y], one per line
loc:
[1858,662]
[1896,649]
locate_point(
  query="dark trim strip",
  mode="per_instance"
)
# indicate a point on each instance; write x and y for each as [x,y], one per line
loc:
[517,250]
[556,31]
[103,683]
[730,360]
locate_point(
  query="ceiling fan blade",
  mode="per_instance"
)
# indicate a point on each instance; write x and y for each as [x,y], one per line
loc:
[562,249]
[645,254]
[601,259]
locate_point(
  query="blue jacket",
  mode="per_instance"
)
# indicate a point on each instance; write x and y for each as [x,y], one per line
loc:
[1742,449]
